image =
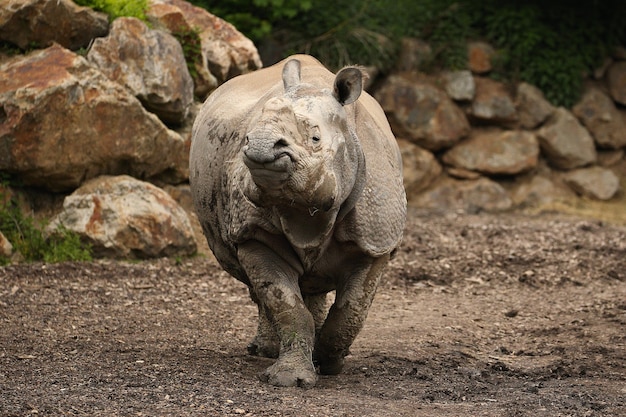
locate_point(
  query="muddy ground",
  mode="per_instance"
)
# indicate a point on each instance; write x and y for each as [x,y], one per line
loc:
[479,315]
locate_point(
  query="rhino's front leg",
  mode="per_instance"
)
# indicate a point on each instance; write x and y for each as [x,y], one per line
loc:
[274,281]
[347,315]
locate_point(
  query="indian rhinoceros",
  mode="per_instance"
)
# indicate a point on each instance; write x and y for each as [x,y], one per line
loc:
[297,183]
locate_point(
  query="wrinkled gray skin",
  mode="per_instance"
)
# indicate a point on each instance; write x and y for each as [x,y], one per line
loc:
[297,182]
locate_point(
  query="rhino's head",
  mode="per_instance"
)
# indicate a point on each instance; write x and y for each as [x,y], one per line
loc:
[301,150]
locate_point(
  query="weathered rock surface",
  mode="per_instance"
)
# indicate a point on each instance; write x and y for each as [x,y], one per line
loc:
[532,107]
[594,182]
[470,196]
[539,190]
[64,122]
[419,167]
[414,55]
[495,152]
[150,63]
[41,22]
[492,102]
[616,80]
[459,85]
[601,117]
[422,112]
[123,217]
[225,52]
[565,142]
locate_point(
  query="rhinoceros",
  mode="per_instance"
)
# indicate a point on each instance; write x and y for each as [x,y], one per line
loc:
[297,182]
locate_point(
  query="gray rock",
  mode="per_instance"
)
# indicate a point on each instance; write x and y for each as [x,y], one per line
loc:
[419,167]
[539,190]
[616,80]
[67,122]
[421,112]
[604,121]
[150,63]
[42,22]
[492,102]
[495,152]
[470,196]
[565,142]
[532,107]
[415,55]
[459,85]
[123,217]
[224,51]
[593,182]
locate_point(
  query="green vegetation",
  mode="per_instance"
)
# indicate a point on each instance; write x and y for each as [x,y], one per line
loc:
[118,8]
[28,238]
[189,40]
[549,44]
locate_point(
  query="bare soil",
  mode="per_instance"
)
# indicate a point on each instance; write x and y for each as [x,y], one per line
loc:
[479,315]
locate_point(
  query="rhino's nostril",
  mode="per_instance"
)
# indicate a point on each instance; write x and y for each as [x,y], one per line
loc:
[280,143]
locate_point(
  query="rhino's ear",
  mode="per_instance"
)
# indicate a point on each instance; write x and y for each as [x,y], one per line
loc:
[291,74]
[348,85]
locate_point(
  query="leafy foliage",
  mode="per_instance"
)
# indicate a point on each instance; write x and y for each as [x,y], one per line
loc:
[118,8]
[29,240]
[189,40]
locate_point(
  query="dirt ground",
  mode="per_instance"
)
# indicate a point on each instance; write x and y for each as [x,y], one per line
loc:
[479,315]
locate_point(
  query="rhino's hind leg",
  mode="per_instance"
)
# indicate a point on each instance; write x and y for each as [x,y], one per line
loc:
[347,315]
[275,285]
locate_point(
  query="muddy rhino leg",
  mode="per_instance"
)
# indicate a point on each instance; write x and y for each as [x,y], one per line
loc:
[347,315]
[318,307]
[265,343]
[275,284]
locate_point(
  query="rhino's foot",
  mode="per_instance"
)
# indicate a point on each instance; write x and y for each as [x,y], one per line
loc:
[291,371]
[268,349]
[330,366]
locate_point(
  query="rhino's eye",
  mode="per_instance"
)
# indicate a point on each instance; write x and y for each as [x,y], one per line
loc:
[315,139]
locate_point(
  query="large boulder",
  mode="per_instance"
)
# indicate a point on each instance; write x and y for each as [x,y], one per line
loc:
[41,22]
[423,113]
[224,51]
[495,152]
[565,142]
[63,122]
[459,85]
[150,63]
[419,167]
[492,102]
[479,57]
[123,217]
[593,182]
[604,121]
[532,107]
[471,196]
[539,190]
[616,80]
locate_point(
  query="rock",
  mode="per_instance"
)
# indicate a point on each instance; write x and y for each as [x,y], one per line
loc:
[6,249]
[565,142]
[123,217]
[539,190]
[462,173]
[419,167]
[459,85]
[479,55]
[532,107]
[495,152]
[616,80]
[470,196]
[610,158]
[42,22]
[492,102]
[594,182]
[63,122]
[422,112]
[415,55]
[150,63]
[224,51]
[604,121]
